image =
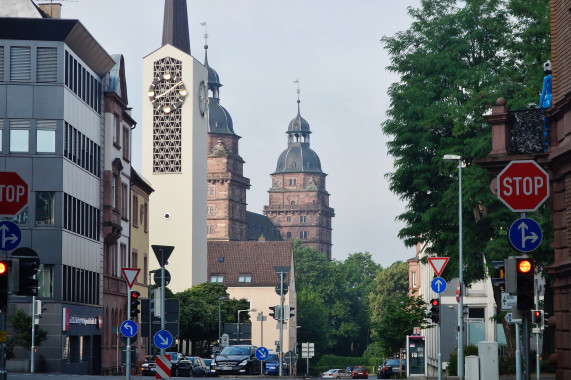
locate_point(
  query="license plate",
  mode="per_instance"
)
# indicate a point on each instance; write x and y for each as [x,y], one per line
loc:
[226,368]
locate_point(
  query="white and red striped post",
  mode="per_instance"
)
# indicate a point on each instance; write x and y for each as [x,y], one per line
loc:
[163,367]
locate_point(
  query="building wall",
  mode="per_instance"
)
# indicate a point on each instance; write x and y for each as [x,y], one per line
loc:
[177,211]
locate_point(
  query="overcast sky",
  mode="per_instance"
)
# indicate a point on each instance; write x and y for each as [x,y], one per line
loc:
[259,48]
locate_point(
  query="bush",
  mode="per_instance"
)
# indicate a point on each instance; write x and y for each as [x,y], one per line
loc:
[452,369]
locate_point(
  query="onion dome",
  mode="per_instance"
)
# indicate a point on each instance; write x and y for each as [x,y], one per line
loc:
[219,120]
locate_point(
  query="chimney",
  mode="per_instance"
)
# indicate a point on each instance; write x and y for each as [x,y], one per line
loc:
[52,10]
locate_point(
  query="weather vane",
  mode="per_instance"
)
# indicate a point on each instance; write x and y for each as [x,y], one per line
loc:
[205,33]
[297,82]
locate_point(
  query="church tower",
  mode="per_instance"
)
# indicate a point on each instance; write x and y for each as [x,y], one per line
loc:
[299,201]
[174,148]
[226,189]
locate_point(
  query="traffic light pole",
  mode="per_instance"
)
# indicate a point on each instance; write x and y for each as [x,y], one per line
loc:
[438,344]
[281,322]
[128,348]
[537,364]
[34,311]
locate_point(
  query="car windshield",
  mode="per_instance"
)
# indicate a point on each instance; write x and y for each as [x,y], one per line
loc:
[235,351]
[392,362]
[273,358]
[207,361]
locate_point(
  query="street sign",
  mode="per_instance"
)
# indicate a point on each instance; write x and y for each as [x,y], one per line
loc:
[162,253]
[525,234]
[279,288]
[163,339]
[523,185]
[262,353]
[438,264]
[510,319]
[13,193]
[130,275]
[158,278]
[128,328]
[10,235]
[508,301]
[438,285]
[458,290]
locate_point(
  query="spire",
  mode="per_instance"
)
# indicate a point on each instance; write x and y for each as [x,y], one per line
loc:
[298,111]
[205,43]
[175,25]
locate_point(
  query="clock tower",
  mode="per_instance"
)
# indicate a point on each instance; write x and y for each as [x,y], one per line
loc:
[174,148]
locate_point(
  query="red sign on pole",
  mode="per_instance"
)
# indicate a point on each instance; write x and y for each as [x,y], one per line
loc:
[523,186]
[438,264]
[13,193]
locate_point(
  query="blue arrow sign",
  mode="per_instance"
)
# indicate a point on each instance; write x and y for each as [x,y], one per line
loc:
[525,235]
[10,235]
[262,353]
[438,285]
[163,339]
[129,328]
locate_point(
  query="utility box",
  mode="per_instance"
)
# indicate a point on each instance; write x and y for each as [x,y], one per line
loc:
[489,364]
[472,368]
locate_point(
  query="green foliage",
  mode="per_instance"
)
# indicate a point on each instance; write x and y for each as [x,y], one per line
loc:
[21,336]
[452,369]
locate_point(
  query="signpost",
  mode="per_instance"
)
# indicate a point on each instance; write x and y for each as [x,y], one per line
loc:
[525,235]
[13,193]
[523,186]
[10,235]
[163,339]
[438,264]
[438,285]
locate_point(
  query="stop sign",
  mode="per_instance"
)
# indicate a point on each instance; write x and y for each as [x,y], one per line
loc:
[523,185]
[13,193]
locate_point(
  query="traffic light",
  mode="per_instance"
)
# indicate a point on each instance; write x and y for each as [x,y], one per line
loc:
[276,312]
[291,311]
[27,281]
[288,312]
[505,276]
[435,310]
[537,317]
[4,283]
[500,279]
[135,302]
[525,283]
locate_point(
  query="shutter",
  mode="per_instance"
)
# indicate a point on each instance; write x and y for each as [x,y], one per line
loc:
[20,63]
[47,64]
[1,63]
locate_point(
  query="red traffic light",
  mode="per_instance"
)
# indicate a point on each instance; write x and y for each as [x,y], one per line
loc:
[524,266]
[135,295]
[3,267]
[537,313]
[435,302]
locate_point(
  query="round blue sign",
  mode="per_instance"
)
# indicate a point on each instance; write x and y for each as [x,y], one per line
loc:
[129,328]
[438,285]
[163,339]
[525,235]
[10,235]
[262,353]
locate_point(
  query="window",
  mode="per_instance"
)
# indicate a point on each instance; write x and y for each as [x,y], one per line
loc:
[47,64]
[145,217]
[116,129]
[123,256]
[211,191]
[1,124]
[303,218]
[45,208]
[245,278]
[126,144]
[114,191]
[210,209]
[414,279]
[19,135]
[135,208]
[20,63]
[288,235]
[293,181]
[46,136]
[135,259]
[292,203]
[303,234]
[46,281]
[124,201]
[288,218]
[210,229]
[216,278]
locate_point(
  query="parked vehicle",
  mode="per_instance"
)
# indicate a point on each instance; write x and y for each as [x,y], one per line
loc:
[180,365]
[359,372]
[236,360]
[272,365]
[390,367]
[336,373]
[208,363]
[198,367]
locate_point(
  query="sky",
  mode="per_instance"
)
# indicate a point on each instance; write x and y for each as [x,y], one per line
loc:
[259,48]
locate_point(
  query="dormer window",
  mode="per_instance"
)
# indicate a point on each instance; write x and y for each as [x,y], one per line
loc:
[245,278]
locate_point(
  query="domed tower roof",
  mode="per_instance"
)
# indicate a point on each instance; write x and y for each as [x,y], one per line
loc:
[298,157]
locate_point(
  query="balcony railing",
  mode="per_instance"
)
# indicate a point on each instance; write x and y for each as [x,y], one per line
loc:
[530,133]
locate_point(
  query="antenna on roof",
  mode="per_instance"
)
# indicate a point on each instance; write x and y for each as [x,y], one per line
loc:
[297,82]
[205,43]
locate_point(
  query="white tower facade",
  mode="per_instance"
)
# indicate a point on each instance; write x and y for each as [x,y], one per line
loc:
[175,128]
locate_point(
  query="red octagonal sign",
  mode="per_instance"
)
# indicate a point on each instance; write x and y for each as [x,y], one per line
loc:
[523,185]
[13,193]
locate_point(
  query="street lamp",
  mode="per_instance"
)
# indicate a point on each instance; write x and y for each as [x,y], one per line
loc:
[220,319]
[454,158]
[238,326]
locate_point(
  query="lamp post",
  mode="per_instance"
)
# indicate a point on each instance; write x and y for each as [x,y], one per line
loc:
[220,299]
[454,158]
[238,326]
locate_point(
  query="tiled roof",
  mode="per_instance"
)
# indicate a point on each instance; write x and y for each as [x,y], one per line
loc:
[256,258]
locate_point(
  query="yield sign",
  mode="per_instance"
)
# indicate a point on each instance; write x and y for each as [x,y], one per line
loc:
[130,275]
[438,264]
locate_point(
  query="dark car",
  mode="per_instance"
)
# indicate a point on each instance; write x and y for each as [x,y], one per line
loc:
[272,365]
[198,366]
[207,363]
[236,360]
[180,365]
[390,367]
[359,372]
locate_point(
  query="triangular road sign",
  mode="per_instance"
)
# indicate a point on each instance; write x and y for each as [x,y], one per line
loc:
[438,264]
[162,252]
[130,275]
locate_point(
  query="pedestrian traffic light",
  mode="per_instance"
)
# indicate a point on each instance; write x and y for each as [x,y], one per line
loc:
[525,283]
[135,302]
[4,283]
[27,280]
[500,279]
[537,317]
[276,312]
[435,310]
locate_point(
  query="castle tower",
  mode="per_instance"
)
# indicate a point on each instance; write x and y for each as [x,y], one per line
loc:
[299,201]
[174,149]
[226,189]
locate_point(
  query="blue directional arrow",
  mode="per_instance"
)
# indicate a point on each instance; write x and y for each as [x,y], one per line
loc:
[525,235]
[129,328]
[438,285]
[262,353]
[163,339]
[10,235]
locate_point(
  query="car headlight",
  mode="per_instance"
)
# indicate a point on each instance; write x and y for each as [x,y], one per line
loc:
[244,362]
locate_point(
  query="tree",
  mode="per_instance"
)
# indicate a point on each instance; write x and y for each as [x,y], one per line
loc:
[22,335]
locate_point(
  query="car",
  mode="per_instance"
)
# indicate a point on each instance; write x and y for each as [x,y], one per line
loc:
[272,365]
[238,359]
[336,373]
[359,372]
[207,363]
[390,367]
[198,367]
[180,365]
